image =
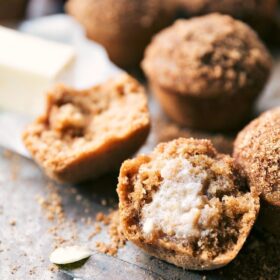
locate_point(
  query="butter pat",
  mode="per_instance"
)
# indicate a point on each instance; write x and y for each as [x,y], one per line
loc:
[29,66]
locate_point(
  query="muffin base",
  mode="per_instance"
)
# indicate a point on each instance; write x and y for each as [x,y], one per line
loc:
[213,114]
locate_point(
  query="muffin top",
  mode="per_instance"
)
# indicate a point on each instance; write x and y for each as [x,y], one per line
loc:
[237,8]
[257,149]
[208,56]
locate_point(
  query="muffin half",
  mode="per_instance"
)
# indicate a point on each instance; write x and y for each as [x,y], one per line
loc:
[186,204]
[257,149]
[84,134]
[207,71]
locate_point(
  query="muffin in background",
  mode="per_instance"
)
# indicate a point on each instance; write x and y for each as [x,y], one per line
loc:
[123,27]
[207,71]
[259,14]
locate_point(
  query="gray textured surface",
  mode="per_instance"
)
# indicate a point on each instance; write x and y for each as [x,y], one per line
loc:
[27,237]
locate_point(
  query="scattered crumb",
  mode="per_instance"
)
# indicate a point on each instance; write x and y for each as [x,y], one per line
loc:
[104,202]
[96,230]
[117,239]
[12,222]
[53,268]
[14,269]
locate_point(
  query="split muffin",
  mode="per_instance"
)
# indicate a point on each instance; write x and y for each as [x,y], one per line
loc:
[257,13]
[186,204]
[84,134]
[207,72]
[123,27]
[257,149]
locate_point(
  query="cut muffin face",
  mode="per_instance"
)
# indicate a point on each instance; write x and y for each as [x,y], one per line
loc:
[123,27]
[186,204]
[257,149]
[84,134]
[207,71]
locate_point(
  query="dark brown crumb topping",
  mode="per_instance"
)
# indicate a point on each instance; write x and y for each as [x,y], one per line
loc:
[257,149]
[207,56]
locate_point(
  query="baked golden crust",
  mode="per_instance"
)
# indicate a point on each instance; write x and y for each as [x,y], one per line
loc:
[84,134]
[123,27]
[208,56]
[260,14]
[208,245]
[257,150]
[208,71]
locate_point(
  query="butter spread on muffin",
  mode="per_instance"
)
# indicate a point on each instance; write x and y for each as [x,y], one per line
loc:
[186,204]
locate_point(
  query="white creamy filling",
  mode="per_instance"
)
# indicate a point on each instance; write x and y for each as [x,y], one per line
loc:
[179,204]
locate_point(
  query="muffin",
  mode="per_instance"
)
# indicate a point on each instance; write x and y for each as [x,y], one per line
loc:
[257,150]
[123,27]
[186,204]
[84,134]
[207,72]
[257,13]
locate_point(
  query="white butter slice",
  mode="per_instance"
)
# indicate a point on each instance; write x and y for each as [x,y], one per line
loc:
[29,66]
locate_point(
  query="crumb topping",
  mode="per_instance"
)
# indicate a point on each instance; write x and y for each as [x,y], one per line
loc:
[257,149]
[211,55]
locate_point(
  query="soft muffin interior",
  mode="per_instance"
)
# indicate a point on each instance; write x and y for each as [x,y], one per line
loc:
[76,121]
[198,202]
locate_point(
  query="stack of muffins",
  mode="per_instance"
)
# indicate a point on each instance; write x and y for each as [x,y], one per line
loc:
[206,72]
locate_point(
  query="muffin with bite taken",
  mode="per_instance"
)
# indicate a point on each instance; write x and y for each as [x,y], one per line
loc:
[84,134]
[186,204]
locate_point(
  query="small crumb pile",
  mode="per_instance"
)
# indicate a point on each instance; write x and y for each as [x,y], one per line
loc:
[117,239]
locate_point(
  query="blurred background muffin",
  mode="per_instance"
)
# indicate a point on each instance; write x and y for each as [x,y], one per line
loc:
[260,14]
[123,27]
[207,71]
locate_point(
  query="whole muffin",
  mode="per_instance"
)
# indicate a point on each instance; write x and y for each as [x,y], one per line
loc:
[186,204]
[258,13]
[257,150]
[123,27]
[207,71]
